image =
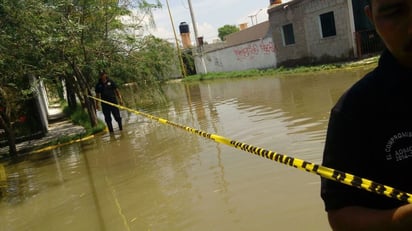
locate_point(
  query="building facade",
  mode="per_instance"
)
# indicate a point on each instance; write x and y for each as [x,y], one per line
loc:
[299,32]
[321,31]
[251,48]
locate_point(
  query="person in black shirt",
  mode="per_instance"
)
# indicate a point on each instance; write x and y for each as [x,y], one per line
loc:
[106,89]
[370,131]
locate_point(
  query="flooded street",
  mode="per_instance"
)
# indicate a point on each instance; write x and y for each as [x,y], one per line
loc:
[156,177]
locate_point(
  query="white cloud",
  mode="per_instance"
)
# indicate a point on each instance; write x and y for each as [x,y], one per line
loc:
[208,32]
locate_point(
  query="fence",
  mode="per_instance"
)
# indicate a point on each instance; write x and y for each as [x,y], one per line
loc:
[368,42]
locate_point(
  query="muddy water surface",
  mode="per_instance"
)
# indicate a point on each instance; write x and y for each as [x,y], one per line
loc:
[157,177]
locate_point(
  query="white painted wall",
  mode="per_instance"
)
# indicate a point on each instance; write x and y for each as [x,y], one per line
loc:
[258,54]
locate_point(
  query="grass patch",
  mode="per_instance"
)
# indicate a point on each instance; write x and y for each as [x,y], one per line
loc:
[282,70]
[80,117]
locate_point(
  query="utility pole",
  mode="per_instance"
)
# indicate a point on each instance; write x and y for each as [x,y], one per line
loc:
[199,47]
[182,65]
[193,22]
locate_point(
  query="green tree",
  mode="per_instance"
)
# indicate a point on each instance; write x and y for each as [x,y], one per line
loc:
[91,36]
[73,40]
[20,35]
[226,30]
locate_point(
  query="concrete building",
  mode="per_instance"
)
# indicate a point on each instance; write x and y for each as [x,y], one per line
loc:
[251,48]
[319,31]
[299,32]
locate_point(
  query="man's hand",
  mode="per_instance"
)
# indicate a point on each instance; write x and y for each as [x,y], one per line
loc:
[360,218]
[119,97]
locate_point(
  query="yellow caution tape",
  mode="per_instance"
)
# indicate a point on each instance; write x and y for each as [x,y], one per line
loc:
[325,172]
[62,144]
[3,175]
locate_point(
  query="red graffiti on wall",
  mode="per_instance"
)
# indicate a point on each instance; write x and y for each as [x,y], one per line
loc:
[250,51]
[267,48]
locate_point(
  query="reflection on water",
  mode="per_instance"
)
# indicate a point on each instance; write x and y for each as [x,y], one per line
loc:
[156,177]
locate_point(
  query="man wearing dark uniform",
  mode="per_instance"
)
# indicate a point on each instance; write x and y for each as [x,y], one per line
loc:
[106,89]
[370,131]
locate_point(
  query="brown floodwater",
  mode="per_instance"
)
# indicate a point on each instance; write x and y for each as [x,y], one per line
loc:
[156,177]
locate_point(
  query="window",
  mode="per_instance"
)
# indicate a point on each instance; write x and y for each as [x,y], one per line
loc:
[288,35]
[327,24]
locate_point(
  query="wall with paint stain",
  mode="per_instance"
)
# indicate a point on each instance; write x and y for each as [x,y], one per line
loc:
[259,54]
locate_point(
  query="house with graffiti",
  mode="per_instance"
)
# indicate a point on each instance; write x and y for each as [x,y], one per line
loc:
[250,48]
[299,32]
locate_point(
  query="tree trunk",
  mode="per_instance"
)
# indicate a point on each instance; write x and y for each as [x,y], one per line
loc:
[11,136]
[85,92]
[71,95]
[5,122]
[91,110]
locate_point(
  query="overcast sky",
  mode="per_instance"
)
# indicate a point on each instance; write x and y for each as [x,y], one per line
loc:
[209,16]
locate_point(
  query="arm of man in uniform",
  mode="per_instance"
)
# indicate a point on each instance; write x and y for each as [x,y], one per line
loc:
[346,205]
[119,96]
[355,218]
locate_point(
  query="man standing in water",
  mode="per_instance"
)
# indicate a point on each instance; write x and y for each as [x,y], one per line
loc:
[370,131]
[107,90]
